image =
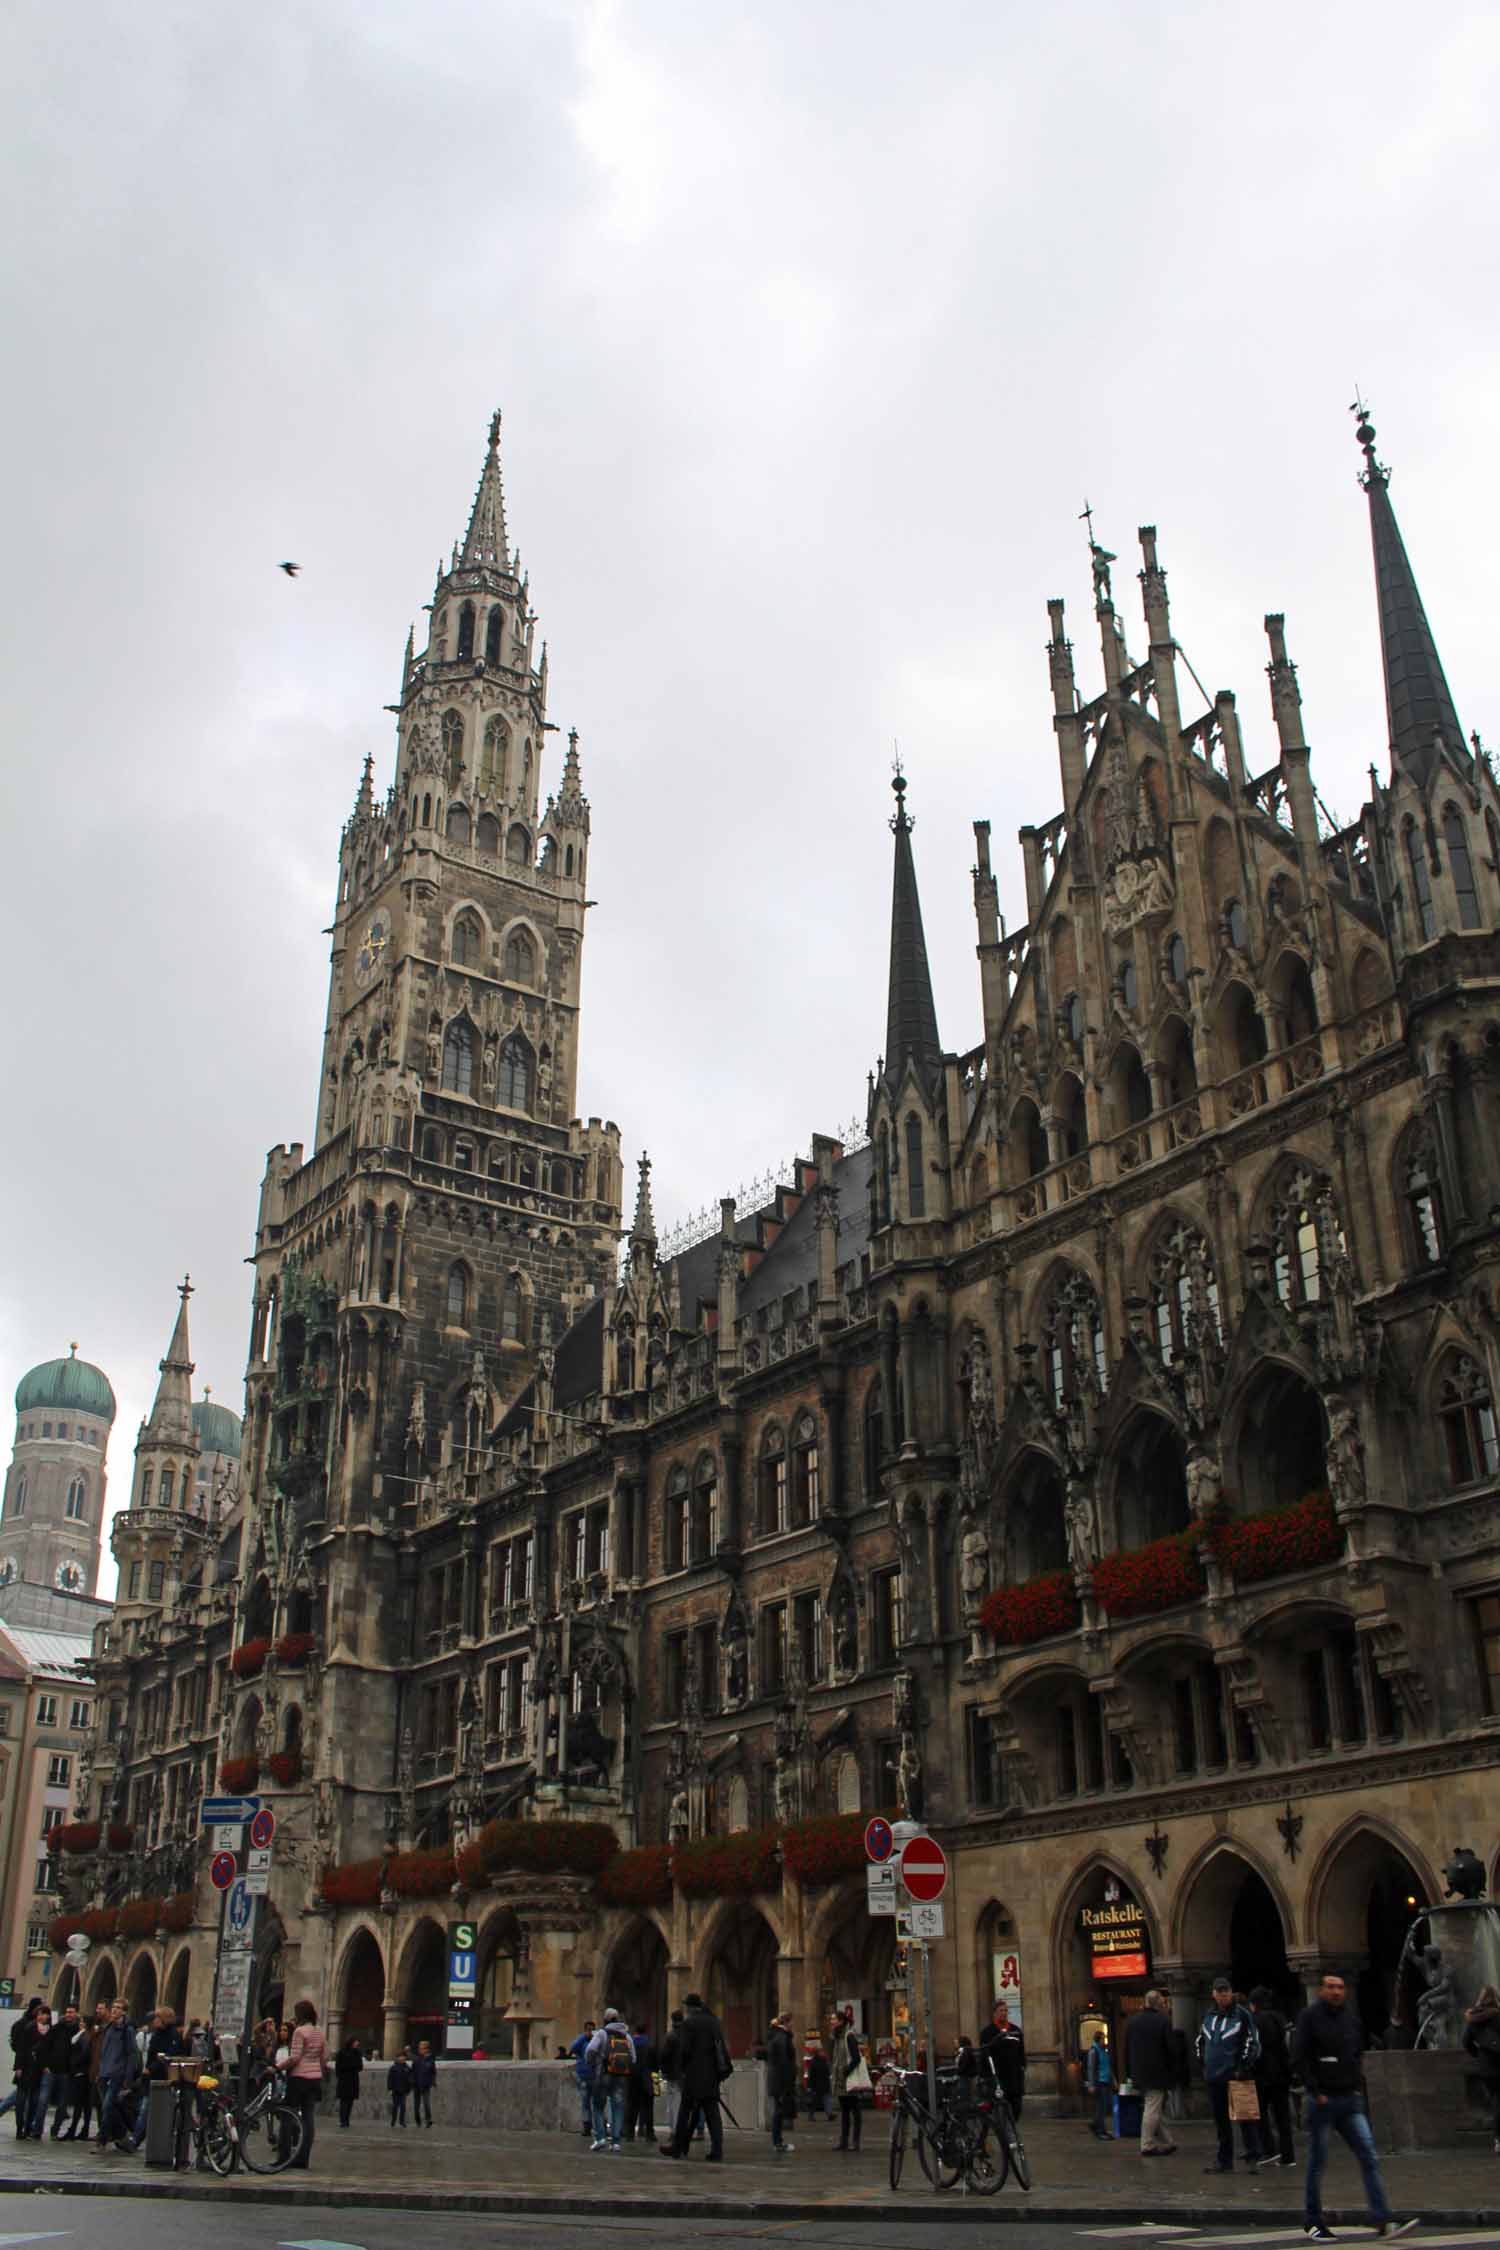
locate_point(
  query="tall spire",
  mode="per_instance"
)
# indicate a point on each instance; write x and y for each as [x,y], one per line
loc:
[485,540]
[911,1029]
[1419,708]
[172,1414]
[643,1226]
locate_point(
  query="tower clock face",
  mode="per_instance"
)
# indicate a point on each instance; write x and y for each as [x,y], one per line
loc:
[371,949]
[69,1578]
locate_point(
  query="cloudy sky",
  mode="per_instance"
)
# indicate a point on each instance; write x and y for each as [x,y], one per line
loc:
[814,326]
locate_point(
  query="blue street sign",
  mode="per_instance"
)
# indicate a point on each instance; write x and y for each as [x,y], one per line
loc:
[460,1970]
[220,1811]
[240,1906]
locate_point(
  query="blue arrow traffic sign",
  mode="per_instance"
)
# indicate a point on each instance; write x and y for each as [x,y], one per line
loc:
[220,1811]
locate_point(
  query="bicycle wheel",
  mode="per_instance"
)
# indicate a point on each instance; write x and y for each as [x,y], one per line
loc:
[1020,2162]
[989,2160]
[216,2140]
[898,2145]
[940,2153]
[271,2138]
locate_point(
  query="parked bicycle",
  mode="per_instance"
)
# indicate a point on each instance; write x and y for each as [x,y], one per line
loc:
[264,2136]
[961,2140]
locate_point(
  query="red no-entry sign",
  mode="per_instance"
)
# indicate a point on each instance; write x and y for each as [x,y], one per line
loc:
[924,1869]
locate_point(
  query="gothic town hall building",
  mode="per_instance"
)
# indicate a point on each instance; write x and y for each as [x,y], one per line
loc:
[1099,1460]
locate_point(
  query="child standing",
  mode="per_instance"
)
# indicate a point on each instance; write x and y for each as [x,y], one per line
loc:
[398,2086]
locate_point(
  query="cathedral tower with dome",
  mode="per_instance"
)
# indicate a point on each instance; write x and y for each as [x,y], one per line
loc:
[54,1495]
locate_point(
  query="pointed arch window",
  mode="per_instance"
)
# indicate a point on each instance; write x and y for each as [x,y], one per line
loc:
[1467,1414]
[458,1295]
[468,941]
[1308,1236]
[458,825]
[518,847]
[18,1493]
[1421,888]
[492,759]
[1423,1196]
[453,746]
[806,1494]
[1184,1293]
[675,1530]
[77,1501]
[458,1058]
[1177,961]
[883,1177]
[515,1073]
[466,632]
[145,1488]
[487,835]
[874,1439]
[704,1524]
[772,1482]
[513,1310]
[166,1488]
[1461,867]
[1073,1340]
[916,1185]
[1236,928]
[520,958]
[494,627]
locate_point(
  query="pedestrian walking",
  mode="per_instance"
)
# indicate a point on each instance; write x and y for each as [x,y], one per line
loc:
[584,2079]
[703,2065]
[1328,2047]
[1001,2044]
[22,2040]
[347,2065]
[1227,2049]
[54,2066]
[423,2079]
[307,2059]
[848,2061]
[611,2061]
[1273,2078]
[398,2086]
[1099,2078]
[781,2081]
[75,2094]
[37,2079]
[1148,2067]
[119,2076]
[640,2094]
[1481,2039]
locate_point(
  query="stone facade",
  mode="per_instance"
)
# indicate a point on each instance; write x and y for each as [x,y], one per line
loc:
[1099,1461]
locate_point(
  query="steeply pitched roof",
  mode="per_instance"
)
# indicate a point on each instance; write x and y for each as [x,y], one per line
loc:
[1419,707]
[911,1030]
[53,1653]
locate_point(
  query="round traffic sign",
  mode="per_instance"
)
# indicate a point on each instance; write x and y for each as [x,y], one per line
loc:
[262,1828]
[879,1842]
[222,1869]
[924,1869]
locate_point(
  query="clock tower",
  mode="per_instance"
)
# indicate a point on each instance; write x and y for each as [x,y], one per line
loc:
[416,1270]
[54,1494]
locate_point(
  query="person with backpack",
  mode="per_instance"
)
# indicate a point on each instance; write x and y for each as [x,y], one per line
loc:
[611,2061]
[398,2086]
[703,2064]
[1099,2077]
[1228,2049]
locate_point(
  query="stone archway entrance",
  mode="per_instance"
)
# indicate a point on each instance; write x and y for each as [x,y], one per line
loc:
[1367,1901]
[1231,1924]
[140,1988]
[500,1949]
[427,1988]
[103,1986]
[858,1964]
[742,1979]
[637,1980]
[176,1994]
[364,1993]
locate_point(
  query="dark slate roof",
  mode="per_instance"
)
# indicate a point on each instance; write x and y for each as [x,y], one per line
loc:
[578,1370]
[1418,704]
[792,1260]
[911,1030]
[698,1279]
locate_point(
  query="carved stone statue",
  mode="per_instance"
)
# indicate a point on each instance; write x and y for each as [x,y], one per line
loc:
[909,1778]
[677,1817]
[1346,1456]
[736,1670]
[1205,1486]
[974,1565]
[1437,2024]
[1083,1536]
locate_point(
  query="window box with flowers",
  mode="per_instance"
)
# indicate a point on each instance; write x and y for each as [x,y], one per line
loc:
[101,1923]
[1253,1548]
[421,1874]
[285,1768]
[1139,1581]
[119,1836]
[140,1917]
[177,1912]
[820,1851]
[61,1928]
[236,1775]
[356,1883]
[728,1866]
[1014,1616]
[294,1648]
[564,1847]
[73,1836]
[638,1878]
[250,1657]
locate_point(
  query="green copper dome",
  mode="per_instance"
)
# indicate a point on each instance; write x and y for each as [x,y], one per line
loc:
[67,1383]
[218,1430]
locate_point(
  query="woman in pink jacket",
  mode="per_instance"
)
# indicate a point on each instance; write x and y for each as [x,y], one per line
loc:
[304,2078]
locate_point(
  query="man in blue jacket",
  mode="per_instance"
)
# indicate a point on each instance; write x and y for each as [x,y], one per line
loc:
[1228,2044]
[119,2068]
[584,2077]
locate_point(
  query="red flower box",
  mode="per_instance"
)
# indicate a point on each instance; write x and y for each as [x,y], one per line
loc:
[285,1768]
[61,1928]
[101,1923]
[421,1874]
[1300,1537]
[73,1836]
[236,1775]
[250,1657]
[1035,1611]
[177,1912]
[728,1866]
[139,1917]
[120,1836]
[357,1883]
[543,1847]
[1138,1581]
[820,1851]
[639,1878]
[294,1648]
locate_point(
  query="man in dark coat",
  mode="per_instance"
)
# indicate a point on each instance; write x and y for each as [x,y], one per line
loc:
[702,2066]
[781,2080]
[23,2040]
[1328,2046]
[1002,2046]
[1273,2078]
[1148,2066]
[347,2065]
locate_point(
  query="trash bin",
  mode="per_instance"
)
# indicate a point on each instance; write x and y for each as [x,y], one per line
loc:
[161,2124]
[1128,2109]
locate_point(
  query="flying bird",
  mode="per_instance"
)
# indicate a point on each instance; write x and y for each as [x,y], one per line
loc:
[291,569]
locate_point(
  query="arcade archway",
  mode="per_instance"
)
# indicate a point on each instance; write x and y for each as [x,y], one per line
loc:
[1231,1923]
[1365,1899]
[175,1995]
[362,1992]
[140,1987]
[424,1985]
[742,1979]
[857,1965]
[636,1983]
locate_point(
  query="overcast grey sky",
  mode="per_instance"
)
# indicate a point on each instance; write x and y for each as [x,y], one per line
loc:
[813,325]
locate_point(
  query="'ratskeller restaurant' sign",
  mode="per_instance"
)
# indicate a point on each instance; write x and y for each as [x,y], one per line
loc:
[1117,1936]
